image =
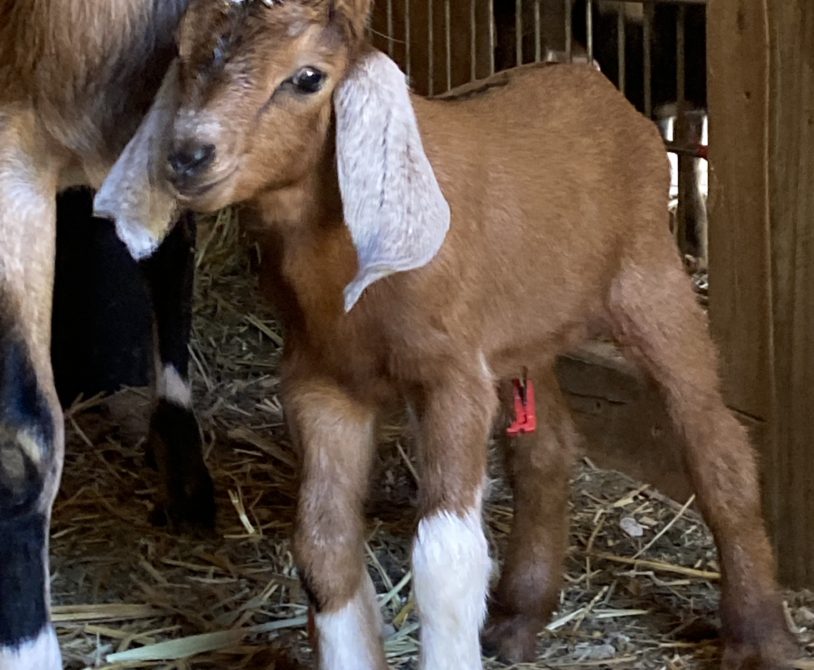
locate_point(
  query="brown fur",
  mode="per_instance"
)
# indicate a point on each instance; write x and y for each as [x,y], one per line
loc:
[557,189]
[75,63]
[75,80]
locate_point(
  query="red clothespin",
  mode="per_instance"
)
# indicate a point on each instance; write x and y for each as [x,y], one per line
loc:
[525,412]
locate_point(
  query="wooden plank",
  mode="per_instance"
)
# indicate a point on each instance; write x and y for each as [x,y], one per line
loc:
[791,176]
[761,245]
[622,419]
[739,289]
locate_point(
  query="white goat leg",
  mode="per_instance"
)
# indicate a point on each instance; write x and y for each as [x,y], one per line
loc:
[451,568]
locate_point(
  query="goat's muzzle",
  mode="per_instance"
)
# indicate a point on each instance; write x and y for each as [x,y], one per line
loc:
[188,161]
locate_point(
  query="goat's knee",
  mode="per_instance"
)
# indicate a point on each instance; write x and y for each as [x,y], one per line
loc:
[334,436]
[328,552]
[30,462]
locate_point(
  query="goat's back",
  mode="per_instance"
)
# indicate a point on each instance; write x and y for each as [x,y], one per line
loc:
[552,176]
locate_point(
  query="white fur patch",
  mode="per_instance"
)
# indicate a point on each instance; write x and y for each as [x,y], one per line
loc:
[351,636]
[41,653]
[393,205]
[451,568]
[486,369]
[171,386]
[136,194]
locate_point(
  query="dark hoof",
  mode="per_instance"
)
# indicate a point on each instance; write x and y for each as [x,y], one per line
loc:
[190,511]
[187,501]
[758,638]
[769,656]
[511,638]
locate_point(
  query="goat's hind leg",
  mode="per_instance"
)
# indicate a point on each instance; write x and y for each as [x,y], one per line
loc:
[31,428]
[655,315]
[537,465]
[174,442]
[334,436]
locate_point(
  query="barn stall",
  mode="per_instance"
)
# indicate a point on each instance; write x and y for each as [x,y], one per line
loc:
[641,587]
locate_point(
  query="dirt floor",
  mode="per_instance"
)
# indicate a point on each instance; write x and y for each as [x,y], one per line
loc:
[641,588]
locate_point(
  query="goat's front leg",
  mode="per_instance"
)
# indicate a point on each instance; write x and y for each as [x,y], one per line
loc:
[334,434]
[174,442]
[31,428]
[451,564]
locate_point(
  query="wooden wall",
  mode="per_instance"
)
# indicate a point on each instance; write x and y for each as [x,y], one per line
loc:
[761,85]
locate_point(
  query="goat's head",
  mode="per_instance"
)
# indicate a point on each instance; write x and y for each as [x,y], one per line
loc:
[258,87]
[255,82]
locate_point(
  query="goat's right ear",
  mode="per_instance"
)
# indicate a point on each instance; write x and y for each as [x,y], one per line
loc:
[395,210]
[135,194]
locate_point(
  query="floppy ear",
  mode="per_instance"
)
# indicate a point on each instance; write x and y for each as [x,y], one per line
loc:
[135,193]
[397,216]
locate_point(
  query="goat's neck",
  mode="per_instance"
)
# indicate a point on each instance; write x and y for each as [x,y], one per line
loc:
[308,244]
[308,207]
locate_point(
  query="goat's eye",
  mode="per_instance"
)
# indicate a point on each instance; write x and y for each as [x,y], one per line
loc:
[308,80]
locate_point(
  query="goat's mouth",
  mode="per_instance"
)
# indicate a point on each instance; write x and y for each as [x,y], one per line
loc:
[189,193]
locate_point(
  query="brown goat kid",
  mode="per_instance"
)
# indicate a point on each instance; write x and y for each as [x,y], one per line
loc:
[431,269]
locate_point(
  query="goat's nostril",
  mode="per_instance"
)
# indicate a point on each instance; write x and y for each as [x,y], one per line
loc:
[190,159]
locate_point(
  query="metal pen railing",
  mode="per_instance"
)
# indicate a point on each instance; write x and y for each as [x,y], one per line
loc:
[448,40]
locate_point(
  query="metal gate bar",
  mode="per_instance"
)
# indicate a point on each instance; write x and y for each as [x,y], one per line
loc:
[447,49]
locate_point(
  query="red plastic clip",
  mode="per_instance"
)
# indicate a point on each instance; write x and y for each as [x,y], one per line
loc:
[525,413]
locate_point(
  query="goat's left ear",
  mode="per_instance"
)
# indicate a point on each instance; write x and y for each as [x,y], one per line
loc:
[135,193]
[395,210]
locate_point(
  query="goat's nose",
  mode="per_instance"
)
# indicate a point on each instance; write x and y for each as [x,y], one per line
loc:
[189,159]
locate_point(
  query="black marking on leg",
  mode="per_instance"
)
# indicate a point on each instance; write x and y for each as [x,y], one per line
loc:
[170,274]
[23,610]
[175,443]
[22,404]
[21,482]
[24,415]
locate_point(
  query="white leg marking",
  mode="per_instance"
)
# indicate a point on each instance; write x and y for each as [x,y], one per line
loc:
[451,569]
[41,653]
[173,387]
[351,636]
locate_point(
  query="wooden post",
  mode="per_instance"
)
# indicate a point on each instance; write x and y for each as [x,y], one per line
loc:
[761,248]
[791,206]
